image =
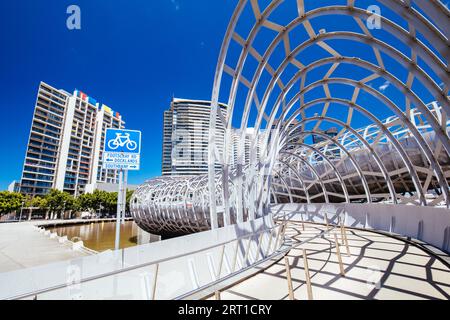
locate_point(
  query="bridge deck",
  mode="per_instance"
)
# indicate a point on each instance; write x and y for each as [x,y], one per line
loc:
[380,267]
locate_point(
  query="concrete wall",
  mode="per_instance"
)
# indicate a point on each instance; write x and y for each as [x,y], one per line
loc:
[428,224]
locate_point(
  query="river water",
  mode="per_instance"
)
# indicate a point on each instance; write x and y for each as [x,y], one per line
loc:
[100,236]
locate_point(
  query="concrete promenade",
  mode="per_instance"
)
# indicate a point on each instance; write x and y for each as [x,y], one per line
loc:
[23,246]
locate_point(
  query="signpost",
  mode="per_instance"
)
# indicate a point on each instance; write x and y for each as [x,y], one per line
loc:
[122,152]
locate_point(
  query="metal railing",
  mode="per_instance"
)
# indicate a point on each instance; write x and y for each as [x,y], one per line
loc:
[277,254]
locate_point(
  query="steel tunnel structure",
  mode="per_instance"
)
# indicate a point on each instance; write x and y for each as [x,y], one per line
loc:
[375,71]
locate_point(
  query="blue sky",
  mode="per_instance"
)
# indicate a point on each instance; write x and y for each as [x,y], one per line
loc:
[131,55]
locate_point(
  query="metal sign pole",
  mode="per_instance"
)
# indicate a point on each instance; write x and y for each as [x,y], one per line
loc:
[119,209]
[124,195]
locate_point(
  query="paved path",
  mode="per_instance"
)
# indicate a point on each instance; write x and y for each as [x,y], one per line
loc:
[22,246]
[400,270]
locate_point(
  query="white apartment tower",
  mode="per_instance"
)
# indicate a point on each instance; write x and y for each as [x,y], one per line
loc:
[66,141]
[185,137]
[233,150]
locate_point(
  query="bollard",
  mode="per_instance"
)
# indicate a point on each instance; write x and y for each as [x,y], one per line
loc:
[345,240]
[338,253]
[342,234]
[289,279]
[307,275]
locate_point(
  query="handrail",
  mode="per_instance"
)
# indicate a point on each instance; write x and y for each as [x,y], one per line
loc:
[127,269]
[275,254]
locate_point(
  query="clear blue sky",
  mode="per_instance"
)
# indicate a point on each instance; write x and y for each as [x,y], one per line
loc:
[130,55]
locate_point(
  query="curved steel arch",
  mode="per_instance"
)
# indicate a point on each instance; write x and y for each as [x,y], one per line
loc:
[336,172]
[313,40]
[313,170]
[377,159]
[300,179]
[443,136]
[398,147]
[397,111]
[242,191]
[292,54]
[417,72]
[416,134]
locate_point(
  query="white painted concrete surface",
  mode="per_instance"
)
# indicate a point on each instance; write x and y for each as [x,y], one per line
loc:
[23,246]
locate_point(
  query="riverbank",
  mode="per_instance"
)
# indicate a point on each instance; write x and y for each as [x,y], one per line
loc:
[101,235]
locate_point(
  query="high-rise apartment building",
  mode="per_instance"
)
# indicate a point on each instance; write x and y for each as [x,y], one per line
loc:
[167,142]
[331,132]
[185,137]
[249,136]
[66,141]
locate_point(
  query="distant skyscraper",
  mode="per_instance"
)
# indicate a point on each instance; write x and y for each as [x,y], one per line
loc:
[234,148]
[66,141]
[331,149]
[167,142]
[14,186]
[331,132]
[185,137]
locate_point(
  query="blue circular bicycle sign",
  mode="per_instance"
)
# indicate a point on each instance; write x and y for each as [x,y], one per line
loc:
[124,141]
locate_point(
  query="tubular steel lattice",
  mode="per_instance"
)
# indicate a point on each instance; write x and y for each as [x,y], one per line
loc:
[293,69]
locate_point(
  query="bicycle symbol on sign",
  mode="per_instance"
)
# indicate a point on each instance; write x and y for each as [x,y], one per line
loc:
[122,141]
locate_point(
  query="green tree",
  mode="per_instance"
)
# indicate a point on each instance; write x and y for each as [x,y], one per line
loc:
[10,201]
[58,202]
[72,204]
[99,201]
[86,202]
[38,202]
[110,201]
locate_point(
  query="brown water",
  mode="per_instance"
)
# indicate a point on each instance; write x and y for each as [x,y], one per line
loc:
[100,236]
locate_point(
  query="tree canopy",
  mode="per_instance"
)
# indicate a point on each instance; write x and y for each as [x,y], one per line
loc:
[10,201]
[58,201]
